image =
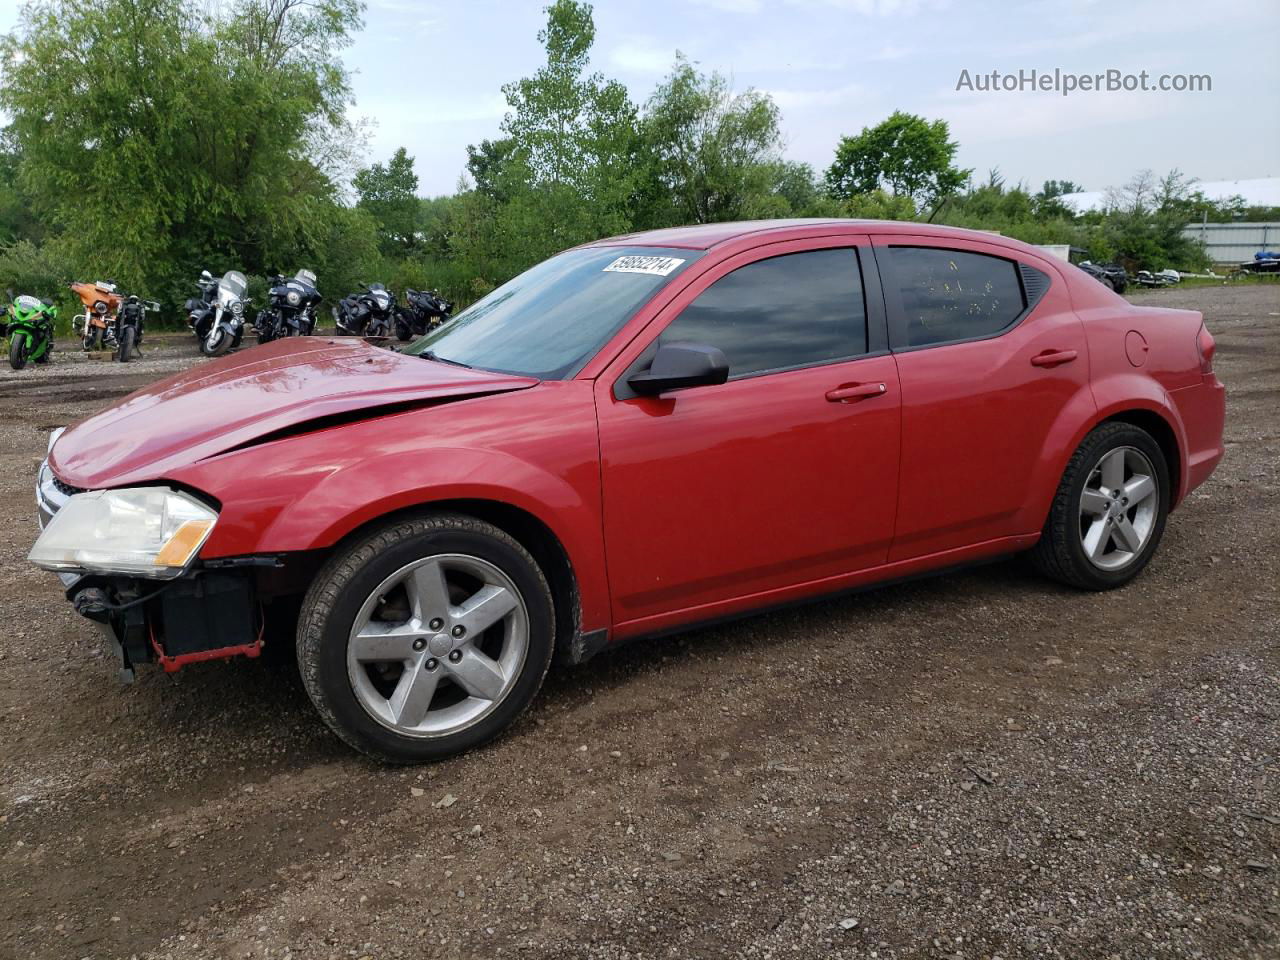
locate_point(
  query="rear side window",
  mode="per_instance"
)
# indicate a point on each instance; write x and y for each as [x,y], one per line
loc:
[790,311]
[952,295]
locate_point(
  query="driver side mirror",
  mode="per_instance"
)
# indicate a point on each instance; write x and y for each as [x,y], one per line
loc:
[678,365]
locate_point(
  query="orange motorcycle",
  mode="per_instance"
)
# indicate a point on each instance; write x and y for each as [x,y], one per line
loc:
[101,304]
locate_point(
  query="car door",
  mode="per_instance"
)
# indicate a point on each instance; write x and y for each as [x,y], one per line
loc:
[718,497]
[989,353]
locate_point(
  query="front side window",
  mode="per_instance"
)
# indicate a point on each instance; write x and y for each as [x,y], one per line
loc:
[553,318]
[951,295]
[795,310]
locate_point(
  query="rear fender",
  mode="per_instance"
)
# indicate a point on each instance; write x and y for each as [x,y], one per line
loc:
[1110,397]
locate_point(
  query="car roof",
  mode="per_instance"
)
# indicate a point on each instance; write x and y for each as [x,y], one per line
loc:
[704,236]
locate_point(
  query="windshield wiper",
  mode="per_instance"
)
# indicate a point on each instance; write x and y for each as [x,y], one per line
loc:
[432,355]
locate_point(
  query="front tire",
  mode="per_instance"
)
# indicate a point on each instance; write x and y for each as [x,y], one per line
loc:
[93,339]
[18,351]
[1109,512]
[216,343]
[126,344]
[426,638]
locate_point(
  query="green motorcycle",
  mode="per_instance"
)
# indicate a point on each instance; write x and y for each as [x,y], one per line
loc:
[29,325]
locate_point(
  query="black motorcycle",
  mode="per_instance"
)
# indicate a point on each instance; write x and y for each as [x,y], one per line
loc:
[291,308]
[128,326]
[368,313]
[422,310]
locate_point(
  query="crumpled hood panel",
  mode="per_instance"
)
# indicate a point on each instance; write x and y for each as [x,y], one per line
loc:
[236,400]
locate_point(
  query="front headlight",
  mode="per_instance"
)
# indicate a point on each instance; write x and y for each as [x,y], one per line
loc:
[293,297]
[237,307]
[149,532]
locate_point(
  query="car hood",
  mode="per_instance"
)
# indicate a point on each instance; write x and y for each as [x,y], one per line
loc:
[287,386]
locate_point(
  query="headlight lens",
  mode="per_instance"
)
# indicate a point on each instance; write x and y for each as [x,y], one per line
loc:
[237,307]
[293,297]
[149,532]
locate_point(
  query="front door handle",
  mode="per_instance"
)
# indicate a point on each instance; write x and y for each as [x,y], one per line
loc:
[1053,358]
[855,392]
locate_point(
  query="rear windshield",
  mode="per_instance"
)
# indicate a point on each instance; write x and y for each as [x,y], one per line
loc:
[553,318]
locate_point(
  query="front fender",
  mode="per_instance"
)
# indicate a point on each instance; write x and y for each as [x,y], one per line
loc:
[357,493]
[533,450]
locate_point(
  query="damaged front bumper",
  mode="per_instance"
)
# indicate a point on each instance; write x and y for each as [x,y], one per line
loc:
[204,615]
[211,612]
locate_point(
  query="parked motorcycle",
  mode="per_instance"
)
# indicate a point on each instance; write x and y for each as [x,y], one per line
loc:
[97,323]
[422,310]
[368,313]
[28,323]
[217,316]
[129,324]
[290,309]
[1110,275]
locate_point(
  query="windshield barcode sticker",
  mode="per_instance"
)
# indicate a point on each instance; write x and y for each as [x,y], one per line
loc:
[656,266]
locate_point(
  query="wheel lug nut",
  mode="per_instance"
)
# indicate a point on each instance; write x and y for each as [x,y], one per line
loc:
[436,623]
[459,631]
[431,663]
[419,644]
[455,656]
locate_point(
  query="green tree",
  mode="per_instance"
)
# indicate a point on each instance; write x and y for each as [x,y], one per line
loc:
[712,154]
[906,155]
[570,129]
[388,193]
[1047,202]
[1145,219]
[154,137]
[564,170]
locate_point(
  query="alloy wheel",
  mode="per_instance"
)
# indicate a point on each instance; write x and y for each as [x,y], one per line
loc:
[438,645]
[1118,508]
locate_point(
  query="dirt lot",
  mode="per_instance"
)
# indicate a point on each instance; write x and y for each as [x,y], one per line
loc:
[977,765]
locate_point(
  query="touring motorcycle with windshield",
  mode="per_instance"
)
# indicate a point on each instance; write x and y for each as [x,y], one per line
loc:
[422,310]
[291,307]
[217,317]
[28,322]
[97,323]
[368,313]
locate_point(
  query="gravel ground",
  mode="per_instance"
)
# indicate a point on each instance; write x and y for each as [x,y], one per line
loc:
[977,765]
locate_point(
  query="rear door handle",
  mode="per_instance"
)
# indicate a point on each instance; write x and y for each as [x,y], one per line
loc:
[855,392]
[1053,358]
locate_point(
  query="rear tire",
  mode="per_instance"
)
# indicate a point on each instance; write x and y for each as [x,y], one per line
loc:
[1109,512]
[389,585]
[18,351]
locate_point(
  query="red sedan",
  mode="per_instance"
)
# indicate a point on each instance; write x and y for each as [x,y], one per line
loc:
[637,435]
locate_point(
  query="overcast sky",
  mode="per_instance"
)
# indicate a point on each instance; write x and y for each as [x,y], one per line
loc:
[429,75]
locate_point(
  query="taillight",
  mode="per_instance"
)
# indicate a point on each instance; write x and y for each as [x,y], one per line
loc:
[1205,346]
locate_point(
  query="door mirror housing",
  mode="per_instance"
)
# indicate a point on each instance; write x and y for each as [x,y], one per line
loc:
[679,365]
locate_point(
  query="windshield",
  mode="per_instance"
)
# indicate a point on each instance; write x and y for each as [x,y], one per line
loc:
[552,319]
[233,284]
[307,277]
